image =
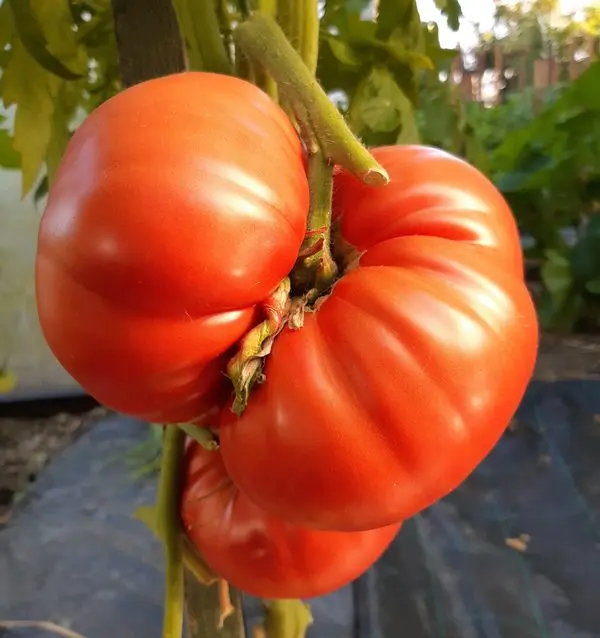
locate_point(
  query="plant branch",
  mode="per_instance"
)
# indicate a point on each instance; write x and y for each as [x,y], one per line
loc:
[168,528]
[263,42]
[309,43]
[207,33]
[265,79]
[148,39]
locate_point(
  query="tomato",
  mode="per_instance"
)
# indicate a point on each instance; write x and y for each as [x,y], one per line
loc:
[179,205]
[259,554]
[406,375]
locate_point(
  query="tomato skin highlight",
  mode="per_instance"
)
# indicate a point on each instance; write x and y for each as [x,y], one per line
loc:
[179,205]
[259,554]
[405,377]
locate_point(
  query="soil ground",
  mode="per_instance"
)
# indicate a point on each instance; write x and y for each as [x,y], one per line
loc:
[32,433]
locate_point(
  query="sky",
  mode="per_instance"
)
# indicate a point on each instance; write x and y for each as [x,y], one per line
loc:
[476,11]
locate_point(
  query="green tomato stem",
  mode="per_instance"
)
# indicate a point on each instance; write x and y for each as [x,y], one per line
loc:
[315,269]
[205,21]
[168,528]
[263,41]
[287,618]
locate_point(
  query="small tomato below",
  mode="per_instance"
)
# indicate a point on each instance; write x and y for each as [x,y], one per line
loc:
[259,554]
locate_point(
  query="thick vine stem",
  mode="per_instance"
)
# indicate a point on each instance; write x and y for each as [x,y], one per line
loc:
[315,269]
[245,369]
[168,528]
[287,619]
[263,42]
[192,560]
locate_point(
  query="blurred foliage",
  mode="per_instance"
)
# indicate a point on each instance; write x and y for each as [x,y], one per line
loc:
[546,162]
[59,61]
[387,72]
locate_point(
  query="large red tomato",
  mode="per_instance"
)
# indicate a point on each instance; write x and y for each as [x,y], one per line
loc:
[405,377]
[259,554]
[179,205]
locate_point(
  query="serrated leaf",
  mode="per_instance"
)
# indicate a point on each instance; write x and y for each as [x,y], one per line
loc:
[9,158]
[33,90]
[33,37]
[57,25]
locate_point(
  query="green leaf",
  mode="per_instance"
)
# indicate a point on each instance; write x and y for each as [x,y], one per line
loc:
[33,90]
[381,106]
[593,287]
[556,276]
[186,27]
[400,17]
[409,132]
[56,22]
[401,54]
[452,10]
[66,102]
[585,255]
[34,20]
[7,25]
[343,52]
[41,190]
[9,158]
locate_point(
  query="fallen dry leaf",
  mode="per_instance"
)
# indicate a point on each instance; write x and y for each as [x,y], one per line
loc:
[519,544]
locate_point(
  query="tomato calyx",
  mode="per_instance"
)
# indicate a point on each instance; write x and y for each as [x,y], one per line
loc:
[245,368]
